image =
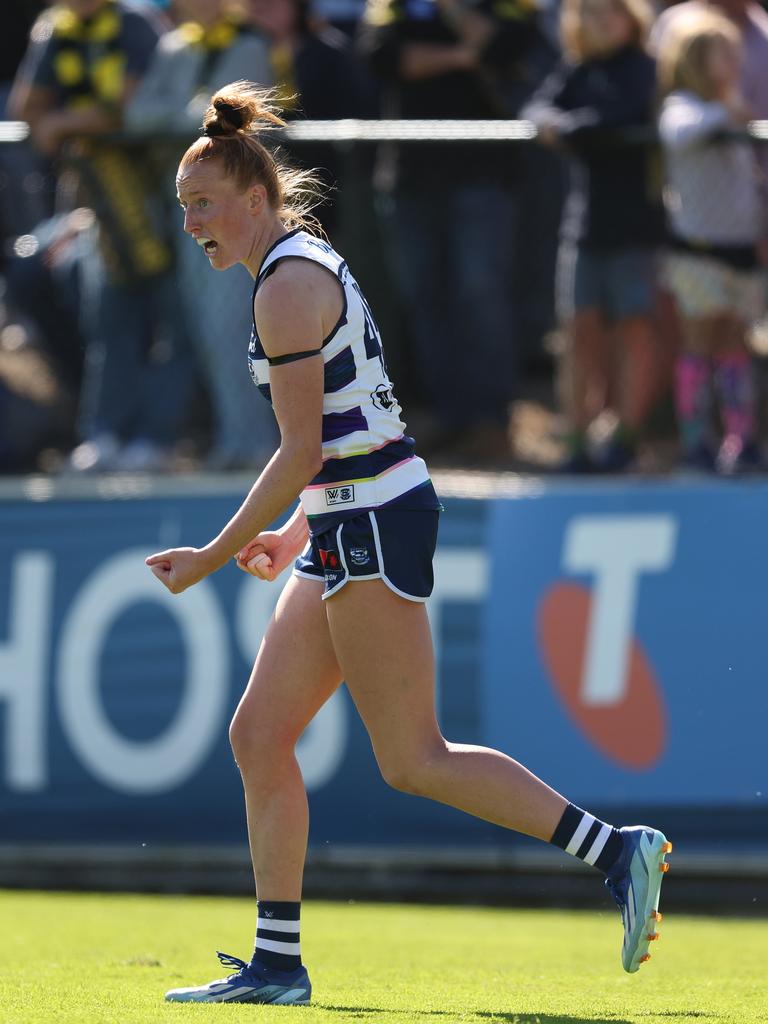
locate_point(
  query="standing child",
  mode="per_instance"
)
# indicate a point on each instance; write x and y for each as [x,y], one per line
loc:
[614,219]
[718,218]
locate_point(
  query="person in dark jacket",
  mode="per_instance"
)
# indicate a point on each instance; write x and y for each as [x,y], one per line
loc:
[454,206]
[599,108]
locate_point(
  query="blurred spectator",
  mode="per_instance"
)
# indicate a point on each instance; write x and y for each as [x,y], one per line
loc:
[752,22]
[25,197]
[319,76]
[719,220]
[613,222]
[343,15]
[210,48]
[454,207]
[84,61]
[44,291]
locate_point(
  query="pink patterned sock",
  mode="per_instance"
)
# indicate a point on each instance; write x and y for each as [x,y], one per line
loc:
[693,398]
[736,390]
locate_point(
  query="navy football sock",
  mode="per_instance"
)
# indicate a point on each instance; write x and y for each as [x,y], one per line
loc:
[277,936]
[586,837]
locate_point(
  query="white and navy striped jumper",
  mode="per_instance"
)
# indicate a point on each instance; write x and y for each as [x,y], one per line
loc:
[368,461]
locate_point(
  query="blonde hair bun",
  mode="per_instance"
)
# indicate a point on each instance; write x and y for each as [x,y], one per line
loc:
[241,108]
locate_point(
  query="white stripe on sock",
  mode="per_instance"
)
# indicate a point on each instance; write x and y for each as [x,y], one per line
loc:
[580,834]
[274,925]
[597,847]
[291,948]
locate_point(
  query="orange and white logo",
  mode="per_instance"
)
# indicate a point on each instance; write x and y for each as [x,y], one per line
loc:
[597,666]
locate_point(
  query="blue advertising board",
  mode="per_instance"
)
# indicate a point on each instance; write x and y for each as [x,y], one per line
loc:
[611,637]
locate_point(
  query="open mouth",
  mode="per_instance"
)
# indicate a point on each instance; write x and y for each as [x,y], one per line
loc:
[208,244]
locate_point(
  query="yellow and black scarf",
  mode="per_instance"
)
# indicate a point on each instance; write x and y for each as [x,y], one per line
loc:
[89,62]
[88,59]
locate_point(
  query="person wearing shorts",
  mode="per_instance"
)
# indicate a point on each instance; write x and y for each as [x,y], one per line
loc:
[613,223]
[718,216]
[361,539]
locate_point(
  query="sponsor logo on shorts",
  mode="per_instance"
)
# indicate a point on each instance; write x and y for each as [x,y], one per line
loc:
[339,495]
[329,559]
[332,577]
[359,555]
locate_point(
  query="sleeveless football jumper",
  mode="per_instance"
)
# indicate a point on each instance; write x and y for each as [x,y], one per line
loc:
[368,460]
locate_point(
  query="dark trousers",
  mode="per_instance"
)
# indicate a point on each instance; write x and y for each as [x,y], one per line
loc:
[453,258]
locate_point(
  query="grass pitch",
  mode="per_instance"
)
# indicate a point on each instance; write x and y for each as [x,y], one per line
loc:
[96,959]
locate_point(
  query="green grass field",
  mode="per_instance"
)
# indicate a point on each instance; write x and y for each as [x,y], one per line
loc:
[92,959]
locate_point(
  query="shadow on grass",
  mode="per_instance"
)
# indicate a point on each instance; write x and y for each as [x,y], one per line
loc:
[481,1015]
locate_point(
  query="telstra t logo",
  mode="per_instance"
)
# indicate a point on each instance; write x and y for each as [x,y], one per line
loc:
[596,664]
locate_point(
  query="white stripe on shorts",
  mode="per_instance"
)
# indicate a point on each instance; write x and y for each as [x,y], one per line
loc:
[597,847]
[580,834]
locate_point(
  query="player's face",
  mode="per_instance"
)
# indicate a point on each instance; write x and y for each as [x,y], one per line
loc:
[220,218]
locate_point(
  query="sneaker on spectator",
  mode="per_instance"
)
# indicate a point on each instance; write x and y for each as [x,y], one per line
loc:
[737,456]
[99,455]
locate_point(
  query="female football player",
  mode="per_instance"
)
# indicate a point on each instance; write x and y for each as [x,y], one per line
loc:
[362,539]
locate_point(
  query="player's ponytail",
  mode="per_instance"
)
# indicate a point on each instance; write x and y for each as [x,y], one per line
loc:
[238,115]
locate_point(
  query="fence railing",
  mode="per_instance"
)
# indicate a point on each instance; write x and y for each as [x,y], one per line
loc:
[356,130]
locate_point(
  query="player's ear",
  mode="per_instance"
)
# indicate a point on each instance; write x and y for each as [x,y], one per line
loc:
[257,198]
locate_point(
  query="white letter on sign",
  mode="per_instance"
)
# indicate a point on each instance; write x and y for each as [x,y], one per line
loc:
[23,666]
[616,549]
[166,761]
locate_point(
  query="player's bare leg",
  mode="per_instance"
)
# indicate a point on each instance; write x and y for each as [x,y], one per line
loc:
[294,674]
[384,647]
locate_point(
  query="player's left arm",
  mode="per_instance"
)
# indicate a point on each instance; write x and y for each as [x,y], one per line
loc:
[294,311]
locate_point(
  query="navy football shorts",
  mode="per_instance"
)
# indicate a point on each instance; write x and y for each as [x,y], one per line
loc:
[391,544]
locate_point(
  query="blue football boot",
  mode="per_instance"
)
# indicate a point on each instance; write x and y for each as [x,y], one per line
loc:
[249,985]
[635,884]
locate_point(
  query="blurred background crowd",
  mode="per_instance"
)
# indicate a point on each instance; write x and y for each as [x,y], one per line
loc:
[590,300]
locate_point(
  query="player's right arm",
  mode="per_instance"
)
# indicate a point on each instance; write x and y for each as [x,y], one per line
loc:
[272,551]
[294,310]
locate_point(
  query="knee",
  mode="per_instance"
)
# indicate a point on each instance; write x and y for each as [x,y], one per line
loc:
[257,747]
[411,772]
[399,776]
[241,739]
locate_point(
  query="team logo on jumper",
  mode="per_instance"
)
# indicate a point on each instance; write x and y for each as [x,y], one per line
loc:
[383,398]
[339,495]
[359,555]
